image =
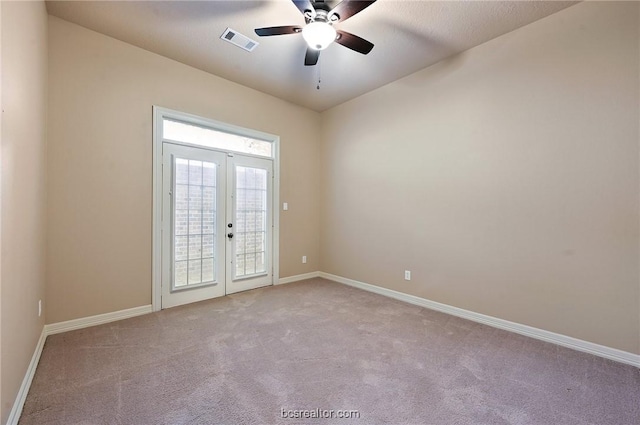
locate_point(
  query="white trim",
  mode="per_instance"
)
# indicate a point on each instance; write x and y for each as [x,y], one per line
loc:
[275,211]
[85,322]
[563,340]
[156,233]
[16,410]
[297,277]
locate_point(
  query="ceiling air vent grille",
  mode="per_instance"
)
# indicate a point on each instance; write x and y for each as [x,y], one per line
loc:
[242,41]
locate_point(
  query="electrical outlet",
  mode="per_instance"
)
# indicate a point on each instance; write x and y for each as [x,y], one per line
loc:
[407,275]
[304,259]
[39,308]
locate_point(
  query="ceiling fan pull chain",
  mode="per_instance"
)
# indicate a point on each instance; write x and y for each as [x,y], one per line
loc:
[319,75]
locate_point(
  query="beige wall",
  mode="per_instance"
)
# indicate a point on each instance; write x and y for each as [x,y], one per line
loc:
[99,176]
[505,179]
[24,93]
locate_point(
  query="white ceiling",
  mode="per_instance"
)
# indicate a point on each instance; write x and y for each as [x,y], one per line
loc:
[408,36]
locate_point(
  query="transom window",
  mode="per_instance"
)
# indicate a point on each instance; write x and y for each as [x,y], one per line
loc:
[196,135]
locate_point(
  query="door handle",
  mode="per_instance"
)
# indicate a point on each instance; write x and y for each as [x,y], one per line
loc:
[230,235]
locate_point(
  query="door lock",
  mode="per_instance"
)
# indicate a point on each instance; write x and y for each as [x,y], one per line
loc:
[230,225]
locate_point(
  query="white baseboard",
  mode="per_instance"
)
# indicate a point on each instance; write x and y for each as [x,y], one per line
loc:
[60,327]
[297,277]
[563,340]
[85,322]
[16,410]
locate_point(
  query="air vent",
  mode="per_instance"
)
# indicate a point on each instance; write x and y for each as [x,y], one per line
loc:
[242,41]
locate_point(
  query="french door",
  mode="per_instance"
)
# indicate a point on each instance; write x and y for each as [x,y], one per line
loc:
[216,223]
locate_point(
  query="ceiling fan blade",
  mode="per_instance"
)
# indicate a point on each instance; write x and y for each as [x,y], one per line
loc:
[354,42]
[288,29]
[348,8]
[311,58]
[303,5]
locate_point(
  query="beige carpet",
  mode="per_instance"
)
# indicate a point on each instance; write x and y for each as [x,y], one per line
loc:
[316,344]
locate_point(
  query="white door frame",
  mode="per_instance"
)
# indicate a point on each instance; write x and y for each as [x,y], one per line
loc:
[159,114]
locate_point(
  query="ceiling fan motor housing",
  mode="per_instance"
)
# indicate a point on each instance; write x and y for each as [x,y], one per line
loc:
[321,15]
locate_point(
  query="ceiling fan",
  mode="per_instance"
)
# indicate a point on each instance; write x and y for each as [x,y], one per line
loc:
[319,31]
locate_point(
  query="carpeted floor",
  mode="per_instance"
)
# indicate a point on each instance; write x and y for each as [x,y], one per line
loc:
[316,344]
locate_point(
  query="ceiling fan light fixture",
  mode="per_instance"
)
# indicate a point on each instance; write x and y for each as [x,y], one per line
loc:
[319,35]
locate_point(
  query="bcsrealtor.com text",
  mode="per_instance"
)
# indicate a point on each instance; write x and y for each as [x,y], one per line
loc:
[318,414]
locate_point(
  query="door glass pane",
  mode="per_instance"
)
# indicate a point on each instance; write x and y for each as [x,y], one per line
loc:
[251,212]
[194,218]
